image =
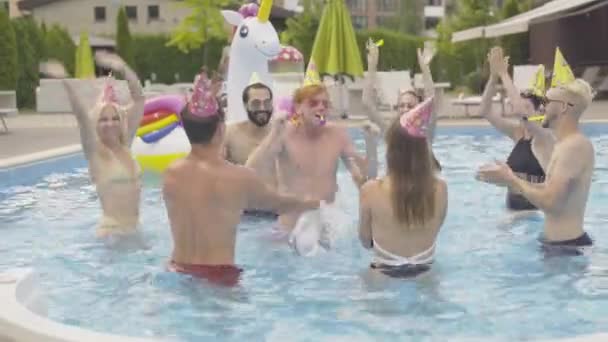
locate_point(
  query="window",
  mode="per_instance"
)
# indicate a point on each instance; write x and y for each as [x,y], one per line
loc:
[100,13]
[387,5]
[153,12]
[434,3]
[356,5]
[131,12]
[431,23]
[359,22]
[4,4]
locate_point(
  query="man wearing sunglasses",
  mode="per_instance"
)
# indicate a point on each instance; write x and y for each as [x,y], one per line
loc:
[306,151]
[244,137]
[563,196]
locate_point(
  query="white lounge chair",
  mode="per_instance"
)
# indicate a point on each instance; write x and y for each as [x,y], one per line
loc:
[8,106]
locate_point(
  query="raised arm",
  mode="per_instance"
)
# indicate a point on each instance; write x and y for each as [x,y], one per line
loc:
[425,57]
[56,70]
[506,126]
[135,110]
[369,88]
[261,196]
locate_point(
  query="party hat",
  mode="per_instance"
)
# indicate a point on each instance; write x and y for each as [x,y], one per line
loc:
[255,78]
[538,83]
[380,43]
[562,74]
[109,93]
[203,103]
[416,121]
[312,75]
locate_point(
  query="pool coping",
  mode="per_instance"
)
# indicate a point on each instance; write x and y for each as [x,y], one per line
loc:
[19,323]
[32,158]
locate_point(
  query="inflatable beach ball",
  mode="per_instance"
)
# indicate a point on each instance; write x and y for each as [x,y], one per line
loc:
[161,139]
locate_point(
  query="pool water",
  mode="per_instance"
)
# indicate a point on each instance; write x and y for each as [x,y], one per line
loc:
[489,281]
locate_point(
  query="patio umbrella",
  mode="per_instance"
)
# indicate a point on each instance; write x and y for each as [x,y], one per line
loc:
[335,50]
[85,67]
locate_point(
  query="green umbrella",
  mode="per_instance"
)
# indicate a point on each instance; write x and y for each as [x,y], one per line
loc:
[85,67]
[335,50]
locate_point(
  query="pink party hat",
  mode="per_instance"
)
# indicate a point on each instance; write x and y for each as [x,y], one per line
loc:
[416,121]
[203,103]
[109,93]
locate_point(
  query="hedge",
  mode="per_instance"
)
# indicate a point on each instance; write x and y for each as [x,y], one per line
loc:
[27,78]
[398,51]
[152,56]
[8,54]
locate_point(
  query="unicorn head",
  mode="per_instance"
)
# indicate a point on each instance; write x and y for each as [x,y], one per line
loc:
[254,35]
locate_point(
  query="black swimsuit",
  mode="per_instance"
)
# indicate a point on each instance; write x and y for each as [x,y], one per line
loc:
[525,165]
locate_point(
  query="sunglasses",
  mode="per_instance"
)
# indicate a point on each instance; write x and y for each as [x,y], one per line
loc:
[315,103]
[258,104]
[547,100]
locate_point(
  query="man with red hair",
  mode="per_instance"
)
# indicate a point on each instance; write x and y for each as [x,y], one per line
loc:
[306,152]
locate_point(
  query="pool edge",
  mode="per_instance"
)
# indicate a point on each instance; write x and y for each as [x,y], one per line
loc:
[18,323]
[33,158]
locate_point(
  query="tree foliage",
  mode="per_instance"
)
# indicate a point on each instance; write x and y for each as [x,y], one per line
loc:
[205,22]
[8,53]
[27,71]
[123,37]
[516,45]
[302,28]
[63,47]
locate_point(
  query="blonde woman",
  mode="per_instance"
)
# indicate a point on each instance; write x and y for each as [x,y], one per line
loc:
[106,133]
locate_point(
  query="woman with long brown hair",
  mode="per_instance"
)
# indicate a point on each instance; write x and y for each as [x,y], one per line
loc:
[400,214]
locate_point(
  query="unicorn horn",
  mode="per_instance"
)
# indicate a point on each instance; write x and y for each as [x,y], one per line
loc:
[264,11]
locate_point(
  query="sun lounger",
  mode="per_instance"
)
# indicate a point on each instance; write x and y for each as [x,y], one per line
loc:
[8,106]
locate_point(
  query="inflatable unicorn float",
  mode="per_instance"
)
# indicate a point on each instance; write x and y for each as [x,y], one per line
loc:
[161,139]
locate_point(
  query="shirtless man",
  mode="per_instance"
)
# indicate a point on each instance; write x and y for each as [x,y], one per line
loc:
[244,137]
[205,195]
[563,196]
[307,153]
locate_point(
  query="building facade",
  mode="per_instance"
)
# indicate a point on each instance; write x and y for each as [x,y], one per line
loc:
[98,17]
[379,13]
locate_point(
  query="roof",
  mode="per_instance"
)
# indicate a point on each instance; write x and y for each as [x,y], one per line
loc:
[277,12]
[519,23]
[26,5]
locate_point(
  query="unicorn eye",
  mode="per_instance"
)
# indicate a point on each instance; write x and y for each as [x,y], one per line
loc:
[244,31]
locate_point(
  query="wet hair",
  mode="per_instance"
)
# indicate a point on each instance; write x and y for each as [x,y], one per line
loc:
[257,85]
[411,170]
[200,130]
[537,101]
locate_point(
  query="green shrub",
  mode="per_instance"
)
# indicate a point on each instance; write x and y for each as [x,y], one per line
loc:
[398,51]
[8,54]
[124,42]
[152,56]
[27,79]
[63,47]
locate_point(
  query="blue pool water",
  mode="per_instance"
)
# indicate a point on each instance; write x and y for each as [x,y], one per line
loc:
[489,281]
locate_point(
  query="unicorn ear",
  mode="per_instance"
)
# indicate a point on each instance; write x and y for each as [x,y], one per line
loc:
[232,17]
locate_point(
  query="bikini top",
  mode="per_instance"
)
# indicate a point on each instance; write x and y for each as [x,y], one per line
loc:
[387,258]
[522,159]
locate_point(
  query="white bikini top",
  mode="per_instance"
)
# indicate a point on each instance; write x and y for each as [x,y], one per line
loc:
[387,258]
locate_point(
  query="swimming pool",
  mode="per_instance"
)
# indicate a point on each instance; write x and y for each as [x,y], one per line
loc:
[489,281]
